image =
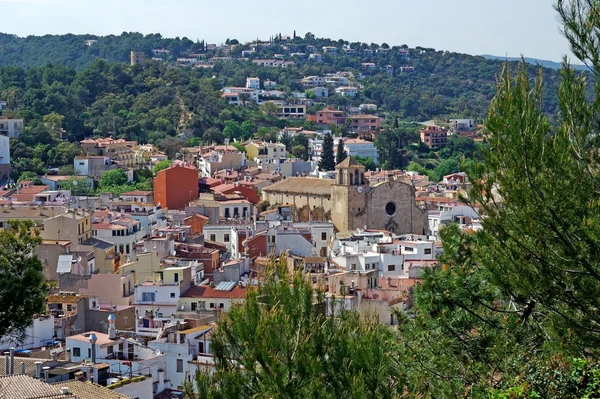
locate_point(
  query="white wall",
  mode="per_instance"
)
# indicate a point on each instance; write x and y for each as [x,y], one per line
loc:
[35,336]
[4,150]
[137,390]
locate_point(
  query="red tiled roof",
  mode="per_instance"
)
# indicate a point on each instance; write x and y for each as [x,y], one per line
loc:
[28,193]
[205,291]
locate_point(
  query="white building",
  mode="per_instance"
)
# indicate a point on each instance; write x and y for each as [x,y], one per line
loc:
[119,230]
[37,335]
[11,127]
[347,91]
[269,84]
[320,91]
[381,253]
[336,80]
[214,161]
[4,150]
[300,239]
[159,297]
[252,94]
[368,107]
[115,351]
[3,106]
[360,147]
[463,215]
[186,351]
[313,81]
[462,124]
[253,83]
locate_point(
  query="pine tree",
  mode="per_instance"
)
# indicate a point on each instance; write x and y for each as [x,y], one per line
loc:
[341,152]
[280,343]
[327,161]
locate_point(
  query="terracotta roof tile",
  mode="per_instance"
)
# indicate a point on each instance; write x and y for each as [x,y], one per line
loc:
[89,390]
[205,291]
[302,185]
[26,387]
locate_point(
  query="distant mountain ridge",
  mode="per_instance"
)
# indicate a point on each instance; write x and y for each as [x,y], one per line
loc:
[534,61]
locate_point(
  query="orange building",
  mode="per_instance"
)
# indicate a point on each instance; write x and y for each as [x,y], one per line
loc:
[175,187]
[330,116]
[434,136]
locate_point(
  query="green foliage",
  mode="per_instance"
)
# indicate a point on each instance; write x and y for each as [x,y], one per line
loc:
[23,289]
[160,165]
[115,177]
[239,147]
[327,161]
[279,343]
[77,185]
[367,162]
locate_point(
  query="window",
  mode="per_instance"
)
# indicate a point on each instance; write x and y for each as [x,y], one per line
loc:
[180,365]
[221,305]
[109,350]
[148,296]
[69,308]
[212,305]
[226,238]
[172,295]
[213,238]
[390,209]
[391,268]
[324,236]
[89,352]
[427,251]
[76,352]
[353,266]
[176,277]
[194,306]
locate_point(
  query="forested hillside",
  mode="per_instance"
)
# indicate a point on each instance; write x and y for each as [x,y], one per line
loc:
[60,82]
[442,84]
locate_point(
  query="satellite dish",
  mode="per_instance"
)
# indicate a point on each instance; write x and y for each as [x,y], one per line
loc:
[359,189]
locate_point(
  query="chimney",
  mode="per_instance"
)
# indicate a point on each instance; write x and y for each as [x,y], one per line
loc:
[68,355]
[6,363]
[22,367]
[12,361]
[64,390]
[38,370]
[46,373]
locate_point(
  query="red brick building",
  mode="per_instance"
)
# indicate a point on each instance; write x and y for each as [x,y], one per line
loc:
[175,187]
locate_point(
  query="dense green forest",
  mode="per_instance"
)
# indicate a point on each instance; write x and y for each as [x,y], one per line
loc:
[442,84]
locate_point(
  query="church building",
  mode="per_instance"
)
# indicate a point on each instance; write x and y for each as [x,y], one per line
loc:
[351,202]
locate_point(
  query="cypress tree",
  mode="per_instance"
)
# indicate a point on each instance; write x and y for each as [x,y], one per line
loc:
[341,152]
[327,161]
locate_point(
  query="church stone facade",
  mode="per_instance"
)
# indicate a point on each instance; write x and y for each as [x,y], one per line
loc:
[389,205]
[353,203]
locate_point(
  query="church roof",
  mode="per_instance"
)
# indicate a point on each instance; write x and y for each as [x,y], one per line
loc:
[349,162]
[302,185]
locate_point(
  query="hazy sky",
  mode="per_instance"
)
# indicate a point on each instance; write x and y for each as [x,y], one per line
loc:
[499,27]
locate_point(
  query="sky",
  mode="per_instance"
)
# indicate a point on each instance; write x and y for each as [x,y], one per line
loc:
[499,27]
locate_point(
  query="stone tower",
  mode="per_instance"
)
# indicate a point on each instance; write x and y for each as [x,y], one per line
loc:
[349,196]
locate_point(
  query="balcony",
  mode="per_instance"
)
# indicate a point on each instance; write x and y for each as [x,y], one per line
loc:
[125,356]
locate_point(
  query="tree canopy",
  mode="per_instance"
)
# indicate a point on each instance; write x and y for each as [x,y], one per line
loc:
[23,289]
